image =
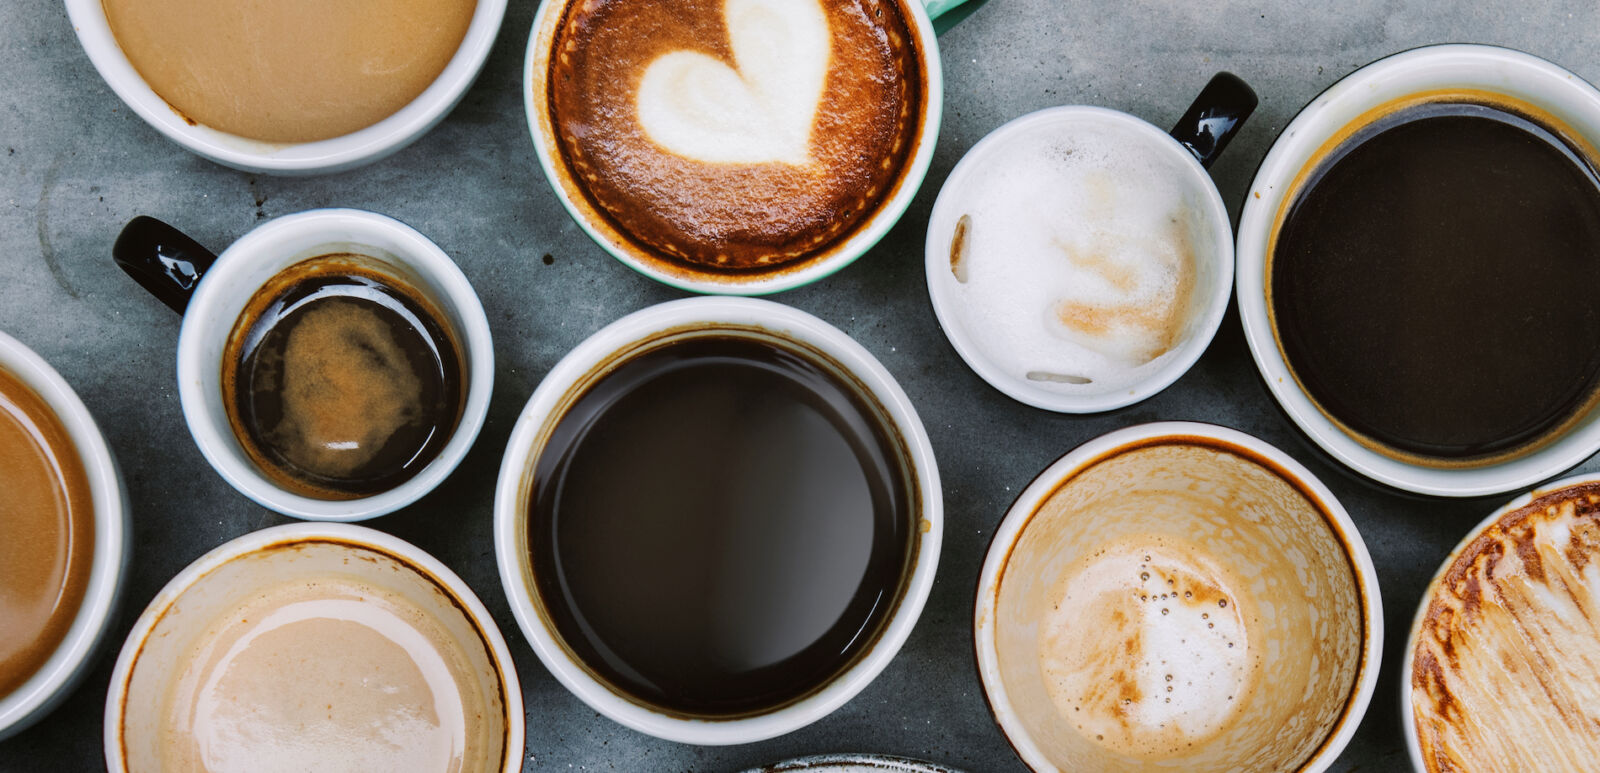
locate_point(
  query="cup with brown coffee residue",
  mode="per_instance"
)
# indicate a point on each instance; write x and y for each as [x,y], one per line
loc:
[291,86]
[1400,255]
[1499,669]
[1178,596]
[736,146]
[64,517]
[333,365]
[717,520]
[315,647]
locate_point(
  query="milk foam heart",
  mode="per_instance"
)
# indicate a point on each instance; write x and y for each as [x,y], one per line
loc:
[762,110]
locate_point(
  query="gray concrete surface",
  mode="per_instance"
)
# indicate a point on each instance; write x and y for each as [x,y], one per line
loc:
[75,164]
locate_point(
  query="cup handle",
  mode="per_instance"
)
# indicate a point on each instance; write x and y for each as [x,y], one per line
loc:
[948,13]
[161,259]
[1215,116]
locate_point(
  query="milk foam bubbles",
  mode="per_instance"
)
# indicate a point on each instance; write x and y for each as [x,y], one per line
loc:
[1081,245]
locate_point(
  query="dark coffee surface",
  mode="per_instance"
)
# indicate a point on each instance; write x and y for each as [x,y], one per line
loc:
[343,384]
[719,527]
[1432,283]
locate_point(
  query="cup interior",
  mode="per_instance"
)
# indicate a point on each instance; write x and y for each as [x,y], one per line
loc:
[226,289]
[1177,601]
[1496,72]
[1212,254]
[176,626]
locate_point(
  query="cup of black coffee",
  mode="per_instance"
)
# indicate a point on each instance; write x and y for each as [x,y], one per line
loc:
[717,520]
[333,365]
[1411,264]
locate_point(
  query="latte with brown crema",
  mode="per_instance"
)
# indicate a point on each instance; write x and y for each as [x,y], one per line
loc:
[1504,670]
[734,135]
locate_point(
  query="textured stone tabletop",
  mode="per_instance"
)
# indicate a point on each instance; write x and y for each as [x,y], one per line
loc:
[75,164]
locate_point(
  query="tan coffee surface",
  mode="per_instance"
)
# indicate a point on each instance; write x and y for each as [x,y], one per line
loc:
[46,533]
[289,70]
[1506,671]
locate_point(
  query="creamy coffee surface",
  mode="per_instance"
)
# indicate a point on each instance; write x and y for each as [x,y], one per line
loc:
[289,70]
[1506,671]
[331,673]
[1075,255]
[735,135]
[46,532]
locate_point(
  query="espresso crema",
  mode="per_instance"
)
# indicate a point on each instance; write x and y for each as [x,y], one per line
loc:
[1504,671]
[734,135]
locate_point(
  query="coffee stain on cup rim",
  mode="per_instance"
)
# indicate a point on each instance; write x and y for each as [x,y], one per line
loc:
[511,759]
[918,524]
[1481,96]
[1363,593]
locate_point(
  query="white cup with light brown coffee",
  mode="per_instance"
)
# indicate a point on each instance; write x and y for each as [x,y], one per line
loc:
[290,86]
[1178,596]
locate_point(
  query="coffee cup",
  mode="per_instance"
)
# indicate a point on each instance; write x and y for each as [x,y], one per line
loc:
[717,520]
[1378,313]
[1496,670]
[1177,596]
[747,167]
[1080,259]
[397,123]
[315,645]
[59,623]
[852,763]
[332,365]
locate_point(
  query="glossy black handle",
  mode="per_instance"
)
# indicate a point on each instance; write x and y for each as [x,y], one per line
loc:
[1215,116]
[161,259]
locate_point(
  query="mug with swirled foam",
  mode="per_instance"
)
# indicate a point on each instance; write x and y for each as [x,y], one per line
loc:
[736,146]
[333,364]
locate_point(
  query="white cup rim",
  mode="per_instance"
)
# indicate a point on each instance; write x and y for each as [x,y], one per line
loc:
[511,555]
[936,264]
[406,553]
[72,658]
[1309,130]
[866,235]
[1033,496]
[321,156]
[218,443]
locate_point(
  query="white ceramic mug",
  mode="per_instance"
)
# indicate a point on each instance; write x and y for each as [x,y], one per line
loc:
[331,155]
[545,408]
[188,607]
[73,657]
[1522,77]
[1191,146]
[212,296]
[1235,512]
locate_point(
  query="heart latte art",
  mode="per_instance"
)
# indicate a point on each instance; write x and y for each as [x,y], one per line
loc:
[732,136]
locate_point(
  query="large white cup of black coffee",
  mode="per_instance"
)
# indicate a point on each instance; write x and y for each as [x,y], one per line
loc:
[717,520]
[735,146]
[1410,260]
[1177,596]
[333,364]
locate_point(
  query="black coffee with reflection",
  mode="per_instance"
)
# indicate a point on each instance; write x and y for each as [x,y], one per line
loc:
[1433,284]
[342,381]
[719,526]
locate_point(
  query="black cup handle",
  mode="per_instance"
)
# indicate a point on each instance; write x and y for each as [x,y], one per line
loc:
[1215,116]
[161,259]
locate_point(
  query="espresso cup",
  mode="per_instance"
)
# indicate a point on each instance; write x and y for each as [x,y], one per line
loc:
[746,173]
[1497,671]
[315,645]
[797,565]
[1554,103]
[99,578]
[357,148]
[1080,259]
[1177,596]
[223,298]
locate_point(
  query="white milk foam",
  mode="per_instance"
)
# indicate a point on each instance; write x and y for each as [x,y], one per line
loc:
[1083,248]
[695,106]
